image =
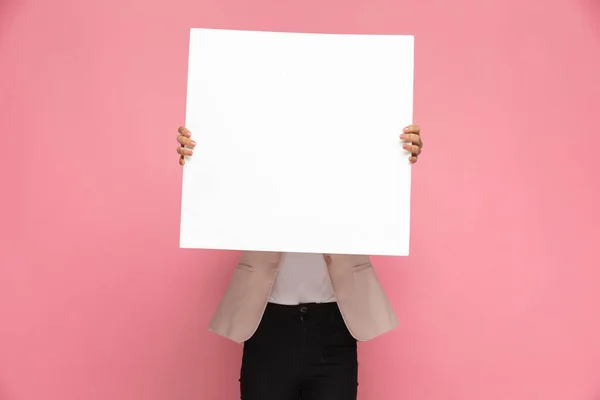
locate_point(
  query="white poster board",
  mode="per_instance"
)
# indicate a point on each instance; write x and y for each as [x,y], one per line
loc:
[298,146]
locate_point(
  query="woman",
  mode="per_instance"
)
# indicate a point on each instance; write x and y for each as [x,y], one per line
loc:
[299,316]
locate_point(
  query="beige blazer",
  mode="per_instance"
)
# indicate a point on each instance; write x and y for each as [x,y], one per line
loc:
[363,304]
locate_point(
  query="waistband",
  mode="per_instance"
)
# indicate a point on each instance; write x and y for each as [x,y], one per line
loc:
[303,308]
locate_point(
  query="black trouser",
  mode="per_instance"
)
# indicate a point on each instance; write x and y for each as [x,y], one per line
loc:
[300,352]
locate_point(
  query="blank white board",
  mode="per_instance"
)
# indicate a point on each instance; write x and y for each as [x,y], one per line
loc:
[298,146]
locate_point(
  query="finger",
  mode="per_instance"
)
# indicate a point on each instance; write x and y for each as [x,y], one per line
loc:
[415,150]
[412,129]
[182,151]
[186,141]
[413,159]
[412,138]
[184,131]
[181,160]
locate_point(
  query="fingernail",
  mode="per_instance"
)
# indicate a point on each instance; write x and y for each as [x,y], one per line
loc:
[405,129]
[193,143]
[406,147]
[403,136]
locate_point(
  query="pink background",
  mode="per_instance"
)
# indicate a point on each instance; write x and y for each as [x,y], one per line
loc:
[499,299]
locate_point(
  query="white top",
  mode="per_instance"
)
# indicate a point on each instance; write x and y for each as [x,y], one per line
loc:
[302,278]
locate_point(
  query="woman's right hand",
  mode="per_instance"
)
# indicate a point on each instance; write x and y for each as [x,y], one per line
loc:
[184,138]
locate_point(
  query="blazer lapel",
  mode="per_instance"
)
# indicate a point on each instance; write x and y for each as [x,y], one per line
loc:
[258,259]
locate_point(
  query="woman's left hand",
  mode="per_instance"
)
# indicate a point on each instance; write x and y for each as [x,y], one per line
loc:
[411,135]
